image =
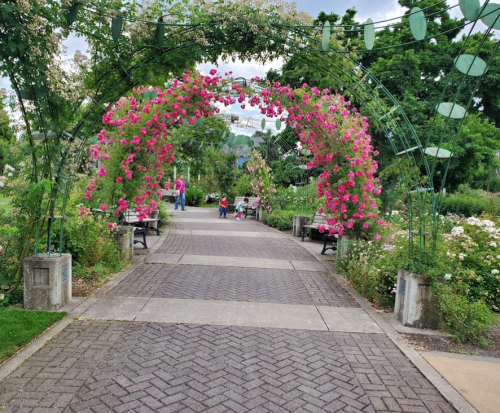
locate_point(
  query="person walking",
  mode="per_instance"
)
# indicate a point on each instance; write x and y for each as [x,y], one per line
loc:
[180,187]
[239,208]
[223,207]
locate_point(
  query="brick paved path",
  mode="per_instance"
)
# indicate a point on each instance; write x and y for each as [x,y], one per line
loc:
[123,366]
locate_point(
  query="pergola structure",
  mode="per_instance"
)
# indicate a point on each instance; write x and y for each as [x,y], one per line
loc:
[120,64]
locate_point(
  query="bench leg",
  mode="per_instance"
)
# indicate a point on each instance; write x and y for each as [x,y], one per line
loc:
[303,234]
[325,248]
[143,242]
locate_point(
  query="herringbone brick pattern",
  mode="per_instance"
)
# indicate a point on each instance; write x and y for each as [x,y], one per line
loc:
[233,284]
[276,248]
[174,244]
[245,225]
[150,367]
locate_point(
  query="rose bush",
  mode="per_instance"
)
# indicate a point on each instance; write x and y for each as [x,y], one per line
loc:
[133,149]
[337,136]
[262,181]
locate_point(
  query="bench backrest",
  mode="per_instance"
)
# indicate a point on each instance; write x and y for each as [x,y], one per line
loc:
[251,200]
[319,219]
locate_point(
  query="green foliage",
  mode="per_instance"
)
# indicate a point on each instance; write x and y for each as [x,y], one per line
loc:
[89,241]
[14,298]
[20,327]
[194,196]
[242,186]
[469,321]
[282,220]
[371,270]
[470,205]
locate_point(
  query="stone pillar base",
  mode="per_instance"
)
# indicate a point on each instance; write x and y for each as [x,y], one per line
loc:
[343,245]
[416,305]
[47,282]
[124,239]
[298,221]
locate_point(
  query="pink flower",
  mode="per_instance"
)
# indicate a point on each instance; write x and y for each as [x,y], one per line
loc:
[106,156]
[124,142]
[143,131]
[83,212]
[128,174]
[213,71]
[101,172]
[110,225]
[118,179]
[103,207]
[377,237]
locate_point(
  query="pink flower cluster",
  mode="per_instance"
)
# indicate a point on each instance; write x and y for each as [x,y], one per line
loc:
[133,147]
[336,135]
[262,182]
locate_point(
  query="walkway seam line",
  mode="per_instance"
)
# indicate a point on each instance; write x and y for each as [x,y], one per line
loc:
[321,315]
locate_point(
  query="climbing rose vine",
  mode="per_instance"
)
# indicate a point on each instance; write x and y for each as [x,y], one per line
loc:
[262,180]
[336,135]
[133,147]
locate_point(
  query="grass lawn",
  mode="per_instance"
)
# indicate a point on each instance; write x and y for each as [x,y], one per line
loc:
[19,327]
[5,203]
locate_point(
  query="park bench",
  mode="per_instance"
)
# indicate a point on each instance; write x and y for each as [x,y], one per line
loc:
[250,208]
[168,195]
[312,225]
[131,217]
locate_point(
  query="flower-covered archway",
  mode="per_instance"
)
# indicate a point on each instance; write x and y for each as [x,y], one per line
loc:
[134,149]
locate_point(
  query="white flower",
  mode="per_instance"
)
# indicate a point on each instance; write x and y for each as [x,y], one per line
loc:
[492,244]
[8,168]
[395,213]
[495,271]
[447,277]
[457,231]
[498,257]
[2,184]
[9,174]
[461,256]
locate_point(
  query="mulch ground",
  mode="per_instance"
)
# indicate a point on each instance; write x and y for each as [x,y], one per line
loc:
[425,342]
[422,342]
[84,288]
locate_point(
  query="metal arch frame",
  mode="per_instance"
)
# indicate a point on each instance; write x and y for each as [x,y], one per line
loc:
[391,127]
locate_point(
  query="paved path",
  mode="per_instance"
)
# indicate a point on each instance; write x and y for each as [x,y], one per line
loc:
[225,316]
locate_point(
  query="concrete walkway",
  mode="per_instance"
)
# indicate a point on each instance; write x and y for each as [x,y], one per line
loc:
[224,316]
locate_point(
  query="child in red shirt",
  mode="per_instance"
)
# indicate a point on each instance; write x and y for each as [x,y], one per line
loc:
[223,207]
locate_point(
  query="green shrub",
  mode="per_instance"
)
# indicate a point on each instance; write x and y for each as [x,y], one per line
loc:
[89,241]
[282,220]
[467,321]
[470,205]
[371,270]
[194,196]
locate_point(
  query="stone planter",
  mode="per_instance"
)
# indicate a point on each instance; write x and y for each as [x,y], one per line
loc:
[298,221]
[124,239]
[259,213]
[416,305]
[47,281]
[343,245]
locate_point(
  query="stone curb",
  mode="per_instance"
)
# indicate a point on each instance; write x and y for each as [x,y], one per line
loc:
[74,312]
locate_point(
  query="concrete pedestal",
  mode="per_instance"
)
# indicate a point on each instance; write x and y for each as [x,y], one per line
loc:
[258,213]
[124,239]
[416,305]
[343,245]
[47,282]
[298,221]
